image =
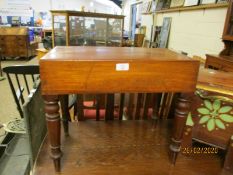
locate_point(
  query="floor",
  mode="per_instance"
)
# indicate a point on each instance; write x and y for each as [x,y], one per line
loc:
[127,147]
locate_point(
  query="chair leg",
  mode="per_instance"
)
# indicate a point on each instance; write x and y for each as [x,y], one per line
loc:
[80,109]
[228,163]
[65,113]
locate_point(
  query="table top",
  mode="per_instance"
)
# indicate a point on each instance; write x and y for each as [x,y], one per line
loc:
[85,69]
[92,53]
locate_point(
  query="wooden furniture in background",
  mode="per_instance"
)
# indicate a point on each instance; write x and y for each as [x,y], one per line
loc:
[47,32]
[224,61]
[41,52]
[211,115]
[76,28]
[115,70]
[14,42]
[138,40]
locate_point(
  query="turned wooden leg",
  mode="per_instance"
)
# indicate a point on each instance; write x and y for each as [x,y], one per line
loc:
[53,124]
[181,113]
[228,163]
[65,113]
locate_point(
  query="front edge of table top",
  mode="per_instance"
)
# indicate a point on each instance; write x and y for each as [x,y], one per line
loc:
[107,69]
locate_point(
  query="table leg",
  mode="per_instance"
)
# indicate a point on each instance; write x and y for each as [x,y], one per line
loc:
[181,113]
[54,128]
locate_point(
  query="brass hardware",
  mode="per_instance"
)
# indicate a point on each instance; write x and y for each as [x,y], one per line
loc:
[222,98]
[214,89]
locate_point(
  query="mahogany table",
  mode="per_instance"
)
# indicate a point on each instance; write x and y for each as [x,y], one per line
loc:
[71,70]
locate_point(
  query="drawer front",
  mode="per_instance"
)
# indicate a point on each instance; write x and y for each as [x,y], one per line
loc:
[2,38]
[2,45]
[14,38]
[21,39]
[10,52]
[12,45]
[22,44]
[22,52]
[10,39]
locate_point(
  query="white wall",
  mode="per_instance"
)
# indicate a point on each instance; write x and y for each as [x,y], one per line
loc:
[196,32]
[147,20]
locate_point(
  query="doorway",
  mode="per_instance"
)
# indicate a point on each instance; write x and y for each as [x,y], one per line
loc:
[136,18]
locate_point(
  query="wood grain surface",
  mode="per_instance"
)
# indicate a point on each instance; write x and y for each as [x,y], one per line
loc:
[93,69]
[216,80]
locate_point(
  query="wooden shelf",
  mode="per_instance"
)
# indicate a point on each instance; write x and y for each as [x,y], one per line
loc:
[198,7]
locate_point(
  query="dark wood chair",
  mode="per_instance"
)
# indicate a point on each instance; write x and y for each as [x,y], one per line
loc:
[119,106]
[1,78]
[143,106]
[21,77]
[94,106]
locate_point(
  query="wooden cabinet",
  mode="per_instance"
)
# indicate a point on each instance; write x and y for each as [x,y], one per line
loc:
[224,61]
[217,62]
[14,42]
[75,28]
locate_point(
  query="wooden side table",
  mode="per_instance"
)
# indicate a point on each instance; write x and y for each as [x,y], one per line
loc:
[72,70]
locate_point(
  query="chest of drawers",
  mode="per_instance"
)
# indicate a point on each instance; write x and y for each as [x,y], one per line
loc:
[14,42]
